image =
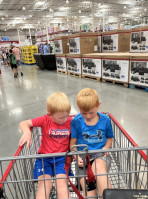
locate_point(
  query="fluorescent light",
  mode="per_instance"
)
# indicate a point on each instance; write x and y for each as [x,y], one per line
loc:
[39,3]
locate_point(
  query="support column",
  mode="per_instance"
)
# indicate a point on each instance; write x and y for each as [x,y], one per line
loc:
[93,26]
[103,23]
[18,35]
[47,34]
[30,36]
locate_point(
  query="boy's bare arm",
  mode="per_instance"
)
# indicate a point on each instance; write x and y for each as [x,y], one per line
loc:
[108,143]
[25,128]
[73,141]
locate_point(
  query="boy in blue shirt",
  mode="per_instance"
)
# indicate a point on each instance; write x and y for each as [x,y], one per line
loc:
[94,129]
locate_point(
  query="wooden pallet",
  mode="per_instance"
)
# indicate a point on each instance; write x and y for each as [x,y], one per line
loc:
[115,82]
[138,86]
[62,71]
[74,74]
[91,77]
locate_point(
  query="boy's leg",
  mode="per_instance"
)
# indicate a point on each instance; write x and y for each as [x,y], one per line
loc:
[20,67]
[89,193]
[99,167]
[62,187]
[44,187]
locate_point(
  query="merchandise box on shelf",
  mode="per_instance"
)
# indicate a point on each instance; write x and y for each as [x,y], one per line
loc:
[82,43]
[116,41]
[74,64]
[61,62]
[139,39]
[61,45]
[139,69]
[115,67]
[91,65]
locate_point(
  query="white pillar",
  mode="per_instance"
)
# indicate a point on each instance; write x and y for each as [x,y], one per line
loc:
[47,34]
[93,27]
[103,23]
[18,35]
[30,36]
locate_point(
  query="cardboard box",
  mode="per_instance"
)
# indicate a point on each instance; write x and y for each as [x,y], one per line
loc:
[91,64]
[74,63]
[116,41]
[61,62]
[139,69]
[82,43]
[139,39]
[115,66]
[61,45]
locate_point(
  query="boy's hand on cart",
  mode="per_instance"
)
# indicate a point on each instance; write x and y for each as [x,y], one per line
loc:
[80,161]
[105,154]
[26,138]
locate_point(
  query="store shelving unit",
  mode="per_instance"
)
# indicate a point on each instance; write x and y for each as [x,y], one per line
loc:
[28,52]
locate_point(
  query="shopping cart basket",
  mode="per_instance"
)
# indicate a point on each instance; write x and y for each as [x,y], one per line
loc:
[129,166]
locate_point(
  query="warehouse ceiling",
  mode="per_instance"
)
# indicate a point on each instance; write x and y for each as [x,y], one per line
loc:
[35,14]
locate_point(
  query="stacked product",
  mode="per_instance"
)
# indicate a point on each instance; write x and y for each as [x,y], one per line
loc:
[139,69]
[139,39]
[91,65]
[74,64]
[61,48]
[61,63]
[80,43]
[61,45]
[116,41]
[28,52]
[115,67]
[40,48]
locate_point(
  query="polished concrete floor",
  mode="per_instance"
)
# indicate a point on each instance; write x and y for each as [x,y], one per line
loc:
[25,97]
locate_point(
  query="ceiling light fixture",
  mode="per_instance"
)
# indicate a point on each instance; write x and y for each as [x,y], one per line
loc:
[124,7]
[79,11]
[1,1]
[24,8]
[39,3]
[67,1]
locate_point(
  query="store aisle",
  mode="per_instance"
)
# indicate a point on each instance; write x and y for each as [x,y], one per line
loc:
[25,97]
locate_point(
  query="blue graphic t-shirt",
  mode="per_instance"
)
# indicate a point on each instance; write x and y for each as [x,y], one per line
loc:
[93,136]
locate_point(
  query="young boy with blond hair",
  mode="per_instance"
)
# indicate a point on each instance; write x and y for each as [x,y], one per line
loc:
[56,130]
[94,129]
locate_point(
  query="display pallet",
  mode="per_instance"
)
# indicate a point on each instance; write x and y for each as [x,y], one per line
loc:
[137,86]
[74,74]
[62,71]
[115,82]
[91,77]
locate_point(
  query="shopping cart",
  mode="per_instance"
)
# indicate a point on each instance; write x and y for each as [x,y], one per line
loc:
[129,166]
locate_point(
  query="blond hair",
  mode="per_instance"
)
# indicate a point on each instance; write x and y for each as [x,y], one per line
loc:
[58,102]
[87,98]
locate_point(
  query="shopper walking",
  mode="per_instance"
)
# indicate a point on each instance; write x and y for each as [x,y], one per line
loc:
[16,52]
[12,62]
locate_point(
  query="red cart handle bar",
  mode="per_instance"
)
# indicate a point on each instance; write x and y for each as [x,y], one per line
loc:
[128,136]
